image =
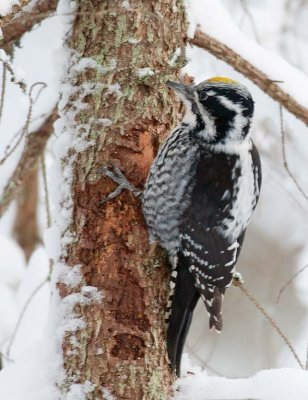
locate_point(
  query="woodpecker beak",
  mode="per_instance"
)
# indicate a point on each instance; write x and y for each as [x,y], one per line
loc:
[185,90]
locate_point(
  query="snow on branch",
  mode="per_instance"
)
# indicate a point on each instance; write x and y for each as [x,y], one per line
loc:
[9,10]
[240,64]
[34,147]
[212,28]
[15,26]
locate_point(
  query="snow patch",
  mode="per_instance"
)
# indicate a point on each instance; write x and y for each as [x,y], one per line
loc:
[143,72]
[133,40]
[173,60]
[115,89]
[126,4]
[216,22]
[107,395]
[273,384]
[6,6]
[70,276]
[12,262]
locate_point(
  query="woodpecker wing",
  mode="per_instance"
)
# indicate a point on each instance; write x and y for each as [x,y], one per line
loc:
[213,226]
[211,260]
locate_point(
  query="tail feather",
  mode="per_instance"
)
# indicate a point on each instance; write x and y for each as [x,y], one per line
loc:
[213,297]
[184,333]
[184,297]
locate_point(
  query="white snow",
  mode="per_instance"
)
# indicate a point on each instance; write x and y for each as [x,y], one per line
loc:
[216,22]
[31,375]
[143,72]
[272,384]
[173,60]
[126,4]
[12,262]
[6,5]
[275,246]
[115,88]
[52,238]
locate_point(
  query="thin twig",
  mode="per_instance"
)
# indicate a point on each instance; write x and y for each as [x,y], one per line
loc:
[46,192]
[251,19]
[4,70]
[290,281]
[284,155]
[19,133]
[306,365]
[47,279]
[34,147]
[258,77]
[47,205]
[2,355]
[239,284]
[24,309]
[14,79]
[25,129]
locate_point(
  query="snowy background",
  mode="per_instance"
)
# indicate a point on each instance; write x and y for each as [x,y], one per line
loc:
[266,32]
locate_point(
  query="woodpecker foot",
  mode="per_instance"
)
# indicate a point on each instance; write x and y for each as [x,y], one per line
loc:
[237,279]
[117,176]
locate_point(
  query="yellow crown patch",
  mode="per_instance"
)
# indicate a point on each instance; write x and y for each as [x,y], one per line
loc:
[221,79]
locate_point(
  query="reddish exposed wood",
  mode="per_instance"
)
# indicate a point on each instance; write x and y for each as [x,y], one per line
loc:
[122,346]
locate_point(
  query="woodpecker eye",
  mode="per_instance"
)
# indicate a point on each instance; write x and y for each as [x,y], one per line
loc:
[203,96]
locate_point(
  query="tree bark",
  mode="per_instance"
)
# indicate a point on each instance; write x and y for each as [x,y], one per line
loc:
[123,53]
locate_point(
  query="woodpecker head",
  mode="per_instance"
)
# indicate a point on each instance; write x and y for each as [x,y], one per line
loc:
[220,108]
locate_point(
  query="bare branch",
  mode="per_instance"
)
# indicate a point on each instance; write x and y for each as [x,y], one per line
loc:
[284,156]
[2,90]
[243,66]
[251,19]
[35,145]
[8,67]
[239,283]
[290,281]
[24,309]
[14,28]
[16,8]
[46,191]
[24,132]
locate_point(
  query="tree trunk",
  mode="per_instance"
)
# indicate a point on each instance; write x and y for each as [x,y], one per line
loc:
[115,109]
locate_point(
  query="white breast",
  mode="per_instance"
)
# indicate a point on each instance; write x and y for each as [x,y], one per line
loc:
[245,197]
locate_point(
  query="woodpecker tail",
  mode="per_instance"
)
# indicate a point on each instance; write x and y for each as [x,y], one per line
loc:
[213,297]
[184,297]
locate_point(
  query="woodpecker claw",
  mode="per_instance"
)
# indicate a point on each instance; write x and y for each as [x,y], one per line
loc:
[237,279]
[118,177]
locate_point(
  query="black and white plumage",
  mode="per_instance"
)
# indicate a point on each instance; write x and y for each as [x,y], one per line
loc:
[199,196]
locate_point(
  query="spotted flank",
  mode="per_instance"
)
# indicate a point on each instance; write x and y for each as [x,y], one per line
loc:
[172,283]
[163,201]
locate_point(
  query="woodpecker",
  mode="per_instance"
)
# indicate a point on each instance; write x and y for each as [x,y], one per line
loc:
[198,199]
